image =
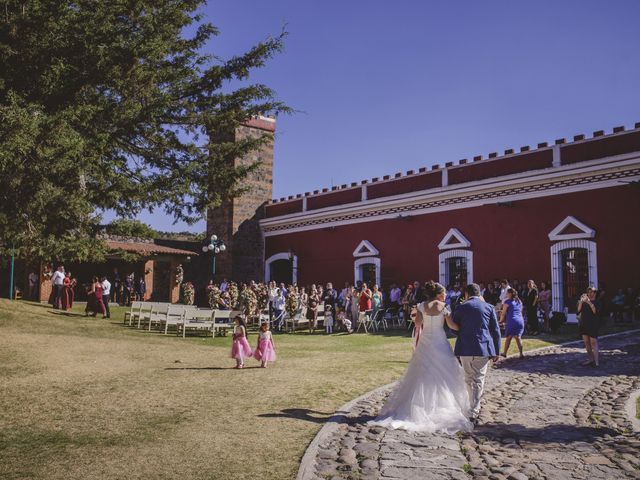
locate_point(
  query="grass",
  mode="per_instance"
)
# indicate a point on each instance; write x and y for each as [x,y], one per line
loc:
[638,407]
[90,398]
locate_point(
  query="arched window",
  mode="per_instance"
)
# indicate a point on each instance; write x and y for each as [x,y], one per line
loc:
[281,267]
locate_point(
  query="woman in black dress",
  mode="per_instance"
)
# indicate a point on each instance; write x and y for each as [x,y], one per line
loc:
[588,309]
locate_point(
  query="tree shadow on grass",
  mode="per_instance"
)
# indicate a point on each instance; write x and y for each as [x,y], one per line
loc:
[62,313]
[555,433]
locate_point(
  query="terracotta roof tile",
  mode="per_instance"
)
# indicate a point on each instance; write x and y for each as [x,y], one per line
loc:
[146,248]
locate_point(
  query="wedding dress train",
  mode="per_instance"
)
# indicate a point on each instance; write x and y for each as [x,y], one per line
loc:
[432,395]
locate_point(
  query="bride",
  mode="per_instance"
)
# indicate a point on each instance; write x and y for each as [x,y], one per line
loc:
[432,396]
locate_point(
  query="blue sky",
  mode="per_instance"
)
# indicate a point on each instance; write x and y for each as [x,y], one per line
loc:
[393,86]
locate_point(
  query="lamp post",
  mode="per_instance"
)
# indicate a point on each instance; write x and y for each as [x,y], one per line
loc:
[215,246]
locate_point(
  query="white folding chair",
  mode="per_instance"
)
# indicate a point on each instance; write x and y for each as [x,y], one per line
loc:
[175,317]
[133,313]
[158,314]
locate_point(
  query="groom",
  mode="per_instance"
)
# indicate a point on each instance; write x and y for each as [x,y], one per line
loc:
[478,342]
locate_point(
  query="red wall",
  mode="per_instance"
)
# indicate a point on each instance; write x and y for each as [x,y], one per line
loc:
[412,183]
[522,162]
[600,148]
[508,242]
[339,197]
[284,208]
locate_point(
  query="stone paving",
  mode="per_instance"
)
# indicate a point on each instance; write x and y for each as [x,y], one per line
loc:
[544,417]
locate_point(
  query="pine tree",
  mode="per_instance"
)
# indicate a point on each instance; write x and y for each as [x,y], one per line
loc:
[109,105]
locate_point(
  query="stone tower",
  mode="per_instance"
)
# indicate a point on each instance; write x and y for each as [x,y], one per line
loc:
[236,222]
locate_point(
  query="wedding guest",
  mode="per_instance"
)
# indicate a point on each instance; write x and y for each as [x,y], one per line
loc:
[312,309]
[141,289]
[395,297]
[116,293]
[589,325]
[240,348]
[224,286]
[531,307]
[33,285]
[265,351]
[544,300]
[106,294]
[95,304]
[504,286]
[328,319]
[67,297]
[58,282]
[511,315]
[278,309]
[376,299]
[342,297]
[330,297]
[128,289]
[491,295]
[342,320]
[365,298]
[272,292]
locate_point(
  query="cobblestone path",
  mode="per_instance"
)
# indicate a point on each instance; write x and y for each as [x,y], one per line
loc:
[544,417]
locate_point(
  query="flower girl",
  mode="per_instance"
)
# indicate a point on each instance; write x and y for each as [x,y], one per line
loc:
[265,351]
[328,319]
[240,348]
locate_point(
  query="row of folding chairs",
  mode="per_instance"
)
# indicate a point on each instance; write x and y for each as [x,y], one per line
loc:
[163,316]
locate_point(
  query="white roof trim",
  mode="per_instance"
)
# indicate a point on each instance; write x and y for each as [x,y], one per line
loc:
[557,235]
[365,249]
[454,233]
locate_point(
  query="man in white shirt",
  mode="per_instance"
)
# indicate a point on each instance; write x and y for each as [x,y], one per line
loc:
[395,296]
[504,286]
[278,309]
[106,294]
[273,293]
[58,281]
[224,286]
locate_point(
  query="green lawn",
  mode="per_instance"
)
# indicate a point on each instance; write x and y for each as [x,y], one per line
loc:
[90,398]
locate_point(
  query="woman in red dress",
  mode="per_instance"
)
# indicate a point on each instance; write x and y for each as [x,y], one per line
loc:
[67,292]
[365,298]
[94,301]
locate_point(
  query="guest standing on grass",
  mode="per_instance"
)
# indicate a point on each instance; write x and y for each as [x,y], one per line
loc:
[588,312]
[106,295]
[58,283]
[95,303]
[33,285]
[511,314]
[312,309]
[66,300]
[365,298]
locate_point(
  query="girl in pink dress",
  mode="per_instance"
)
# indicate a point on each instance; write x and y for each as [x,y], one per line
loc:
[240,348]
[265,351]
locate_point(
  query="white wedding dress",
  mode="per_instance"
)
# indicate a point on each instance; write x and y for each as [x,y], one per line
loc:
[432,395]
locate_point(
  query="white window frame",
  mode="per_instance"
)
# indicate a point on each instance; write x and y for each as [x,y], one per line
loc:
[461,240]
[371,250]
[555,235]
[281,256]
[467,254]
[357,273]
[556,270]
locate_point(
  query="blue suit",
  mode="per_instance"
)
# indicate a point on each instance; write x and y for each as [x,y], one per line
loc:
[478,330]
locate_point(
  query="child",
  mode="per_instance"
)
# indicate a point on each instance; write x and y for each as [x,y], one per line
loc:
[240,348]
[341,317]
[328,319]
[265,351]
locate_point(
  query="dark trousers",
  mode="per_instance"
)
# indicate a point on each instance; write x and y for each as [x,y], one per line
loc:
[105,300]
[57,300]
[270,312]
[532,319]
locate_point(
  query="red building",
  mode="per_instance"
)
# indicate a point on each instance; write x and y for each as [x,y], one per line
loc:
[567,213]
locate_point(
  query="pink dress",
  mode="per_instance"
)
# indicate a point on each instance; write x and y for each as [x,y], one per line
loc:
[265,351]
[240,348]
